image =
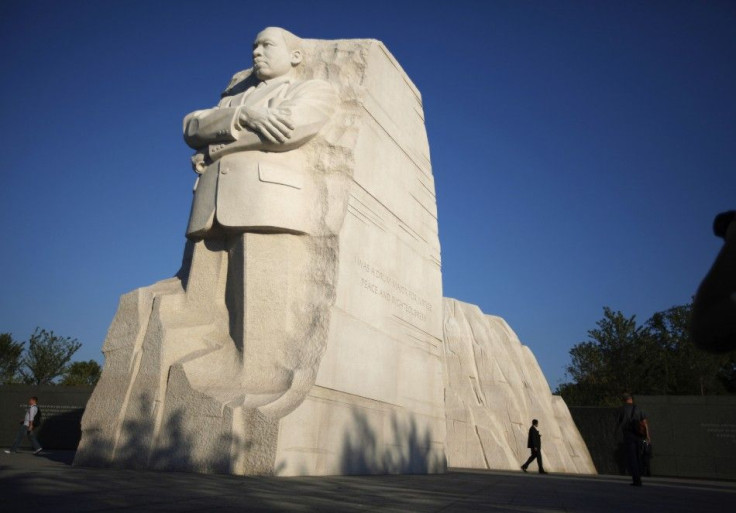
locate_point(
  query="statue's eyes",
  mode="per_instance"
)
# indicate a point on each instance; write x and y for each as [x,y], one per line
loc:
[263,44]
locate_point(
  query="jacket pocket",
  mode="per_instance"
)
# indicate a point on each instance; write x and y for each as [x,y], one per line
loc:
[273,173]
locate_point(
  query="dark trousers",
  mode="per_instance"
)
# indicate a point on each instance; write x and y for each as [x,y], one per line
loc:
[536,455]
[633,459]
[23,431]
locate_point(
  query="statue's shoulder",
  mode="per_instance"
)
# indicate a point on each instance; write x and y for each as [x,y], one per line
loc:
[313,86]
[316,83]
[241,81]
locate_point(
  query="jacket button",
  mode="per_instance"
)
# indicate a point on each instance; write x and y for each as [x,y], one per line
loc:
[223,170]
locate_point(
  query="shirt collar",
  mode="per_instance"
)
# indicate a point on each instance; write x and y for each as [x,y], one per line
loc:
[283,79]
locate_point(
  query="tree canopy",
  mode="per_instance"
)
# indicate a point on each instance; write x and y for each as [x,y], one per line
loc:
[47,357]
[656,358]
[45,361]
[82,373]
[10,352]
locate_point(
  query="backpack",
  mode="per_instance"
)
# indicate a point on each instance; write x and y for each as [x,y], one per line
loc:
[37,418]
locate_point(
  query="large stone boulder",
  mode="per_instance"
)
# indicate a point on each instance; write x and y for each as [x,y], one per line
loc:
[493,389]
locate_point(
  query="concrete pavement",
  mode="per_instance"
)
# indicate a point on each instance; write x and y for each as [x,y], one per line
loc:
[50,483]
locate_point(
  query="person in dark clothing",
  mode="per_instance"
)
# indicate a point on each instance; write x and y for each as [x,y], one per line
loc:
[632,422]
[534,443]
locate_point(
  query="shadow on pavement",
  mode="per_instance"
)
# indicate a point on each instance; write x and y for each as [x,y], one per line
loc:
[65,457]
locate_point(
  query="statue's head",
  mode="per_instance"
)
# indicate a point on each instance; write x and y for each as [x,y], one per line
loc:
[276,52]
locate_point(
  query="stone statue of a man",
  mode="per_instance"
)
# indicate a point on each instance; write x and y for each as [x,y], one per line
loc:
[250,177]
[257,228]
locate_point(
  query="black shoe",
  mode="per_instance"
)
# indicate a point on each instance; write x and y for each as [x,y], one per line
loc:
[543,472]
[636,483]
[524,469]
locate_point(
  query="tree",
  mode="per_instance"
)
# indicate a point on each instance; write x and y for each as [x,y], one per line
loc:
[609,362]
[82,373]
[10,352]
[684,369]
[47,357]
[658,358]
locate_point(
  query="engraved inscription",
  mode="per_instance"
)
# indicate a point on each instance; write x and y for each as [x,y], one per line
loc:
[725,431]
[71,412]
[392,291]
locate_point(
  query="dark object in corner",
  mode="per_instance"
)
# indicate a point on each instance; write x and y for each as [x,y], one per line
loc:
[713,323]
[721,222]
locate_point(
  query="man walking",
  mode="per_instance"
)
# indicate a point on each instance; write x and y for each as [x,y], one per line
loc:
[28,427]
[633,424]
[534,443]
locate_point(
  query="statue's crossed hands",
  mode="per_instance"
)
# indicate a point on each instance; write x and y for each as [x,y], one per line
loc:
[274,125]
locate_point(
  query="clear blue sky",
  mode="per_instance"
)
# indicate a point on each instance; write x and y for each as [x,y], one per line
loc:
[580,148]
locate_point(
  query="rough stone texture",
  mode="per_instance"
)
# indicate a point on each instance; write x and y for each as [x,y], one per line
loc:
[312,354]
[493,389]
[378,397]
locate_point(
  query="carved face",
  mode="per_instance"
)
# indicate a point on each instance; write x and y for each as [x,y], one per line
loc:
[271,57]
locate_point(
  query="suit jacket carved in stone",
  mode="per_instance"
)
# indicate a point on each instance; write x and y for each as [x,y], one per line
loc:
[248,183]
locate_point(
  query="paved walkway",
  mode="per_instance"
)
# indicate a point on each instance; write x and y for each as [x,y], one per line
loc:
[50,483]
